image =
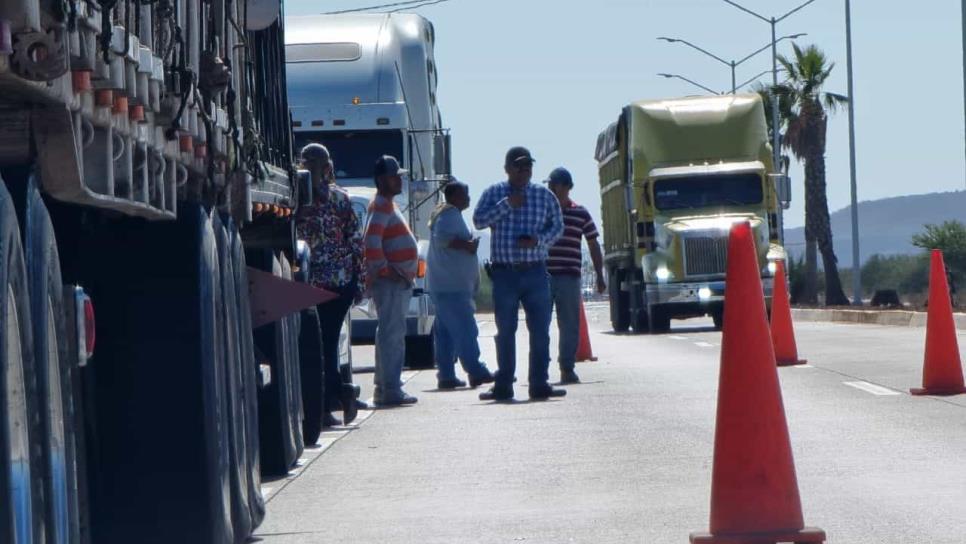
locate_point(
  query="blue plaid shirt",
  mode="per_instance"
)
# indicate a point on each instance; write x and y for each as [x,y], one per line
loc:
[539,217]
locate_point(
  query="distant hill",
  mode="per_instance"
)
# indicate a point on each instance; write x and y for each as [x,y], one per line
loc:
[885,226]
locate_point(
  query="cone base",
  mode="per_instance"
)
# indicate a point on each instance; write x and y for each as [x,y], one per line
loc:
[938,391]
[806,535]
[587,360]
[791,362]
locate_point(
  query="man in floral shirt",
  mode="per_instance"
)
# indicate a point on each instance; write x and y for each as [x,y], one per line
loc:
[330,227]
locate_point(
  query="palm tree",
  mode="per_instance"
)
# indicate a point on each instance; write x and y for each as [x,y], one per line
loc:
[804,108]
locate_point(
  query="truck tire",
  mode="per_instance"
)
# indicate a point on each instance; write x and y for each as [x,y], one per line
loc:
[312,376]
[276,436]
[249,376]
[420,352]
[52,365]
[659,318]
[620,307]
[294,389]
[21,460]
[718,317]
[158,440]
[235,398]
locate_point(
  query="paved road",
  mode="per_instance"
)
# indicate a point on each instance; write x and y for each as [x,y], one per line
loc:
[626,456]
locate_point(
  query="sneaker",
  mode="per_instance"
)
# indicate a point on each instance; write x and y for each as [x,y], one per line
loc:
[497,395]
[401,399]
[547,392]
[450,383]
[569,377]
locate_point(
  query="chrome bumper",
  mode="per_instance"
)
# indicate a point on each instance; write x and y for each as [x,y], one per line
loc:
[702,292]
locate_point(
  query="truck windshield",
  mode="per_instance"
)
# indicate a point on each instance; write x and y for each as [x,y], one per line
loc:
[355,152]
[708,191]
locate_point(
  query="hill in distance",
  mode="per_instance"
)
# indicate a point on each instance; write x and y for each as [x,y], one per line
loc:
[886,226]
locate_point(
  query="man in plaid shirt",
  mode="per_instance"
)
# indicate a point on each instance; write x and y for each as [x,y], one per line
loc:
[525,220]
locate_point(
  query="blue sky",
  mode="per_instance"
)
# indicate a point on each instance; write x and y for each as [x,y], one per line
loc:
[551,75]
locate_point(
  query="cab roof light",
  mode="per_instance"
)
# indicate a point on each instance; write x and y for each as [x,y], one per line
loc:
[318,123]
[339,122]
[356,101]
[382,121]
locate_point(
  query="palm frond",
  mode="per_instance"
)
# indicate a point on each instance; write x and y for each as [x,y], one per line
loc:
[834,101]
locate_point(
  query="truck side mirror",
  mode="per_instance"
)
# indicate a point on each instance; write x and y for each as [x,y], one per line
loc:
[783,188]
[303,184]
[443,162]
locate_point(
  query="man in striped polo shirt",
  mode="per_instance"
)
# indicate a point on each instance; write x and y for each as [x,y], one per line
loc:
[391,262]
[564,265]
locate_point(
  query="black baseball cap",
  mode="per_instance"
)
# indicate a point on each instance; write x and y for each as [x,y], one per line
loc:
[387,165]
[518,154]
[560,176]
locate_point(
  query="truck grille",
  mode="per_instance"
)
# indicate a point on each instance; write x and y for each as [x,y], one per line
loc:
[705,255]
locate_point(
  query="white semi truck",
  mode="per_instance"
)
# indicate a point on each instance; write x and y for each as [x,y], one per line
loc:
[364,85]
[146,172]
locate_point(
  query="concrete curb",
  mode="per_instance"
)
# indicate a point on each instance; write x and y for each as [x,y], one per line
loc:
[891,318]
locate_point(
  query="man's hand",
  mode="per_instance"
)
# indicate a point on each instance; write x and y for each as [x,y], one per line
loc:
[469,246]
[516,199]
[526,242]
[601,285]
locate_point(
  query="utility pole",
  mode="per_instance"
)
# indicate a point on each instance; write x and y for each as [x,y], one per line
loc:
[856,263]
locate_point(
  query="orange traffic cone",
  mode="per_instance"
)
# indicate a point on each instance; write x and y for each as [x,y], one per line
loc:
[782,332]
[584,353]
[754,490]
[942,371]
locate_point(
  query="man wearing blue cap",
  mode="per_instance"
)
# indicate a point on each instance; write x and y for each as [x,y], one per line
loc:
[565,265]
[525,221]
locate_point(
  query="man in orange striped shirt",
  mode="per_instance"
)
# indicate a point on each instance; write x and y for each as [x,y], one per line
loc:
[391,262]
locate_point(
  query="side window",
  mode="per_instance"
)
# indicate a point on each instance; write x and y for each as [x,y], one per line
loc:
[361,213]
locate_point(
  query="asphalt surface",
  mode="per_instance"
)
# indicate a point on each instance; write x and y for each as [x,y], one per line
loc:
[626,456]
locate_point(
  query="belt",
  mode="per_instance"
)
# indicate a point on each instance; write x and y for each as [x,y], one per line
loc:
[517,266]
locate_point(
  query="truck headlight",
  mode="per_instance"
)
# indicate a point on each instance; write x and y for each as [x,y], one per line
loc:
[772,267]
[662,273]
[704,293]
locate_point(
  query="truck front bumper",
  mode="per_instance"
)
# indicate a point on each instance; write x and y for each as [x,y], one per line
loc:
[702,293]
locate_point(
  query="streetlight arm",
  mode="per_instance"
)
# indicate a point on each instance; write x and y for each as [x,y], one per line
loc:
[695,83]
[768,46]
[752,80]
[783,17]
[692,46]
[748,11]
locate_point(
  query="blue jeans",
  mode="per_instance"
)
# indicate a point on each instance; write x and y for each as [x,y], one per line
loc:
[531,287]
[565,291]
[457,335]
[391,298]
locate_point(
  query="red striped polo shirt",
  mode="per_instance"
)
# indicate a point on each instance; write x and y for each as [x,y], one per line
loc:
[564,257]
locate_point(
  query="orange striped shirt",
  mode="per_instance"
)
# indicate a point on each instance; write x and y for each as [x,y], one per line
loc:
[390,245]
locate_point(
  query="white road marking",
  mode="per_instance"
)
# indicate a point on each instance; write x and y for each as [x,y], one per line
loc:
[872,388]
[673,337]
[266,490]
[802,366]
[703,345]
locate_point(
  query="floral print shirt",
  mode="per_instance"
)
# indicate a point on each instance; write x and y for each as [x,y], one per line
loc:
[331,229]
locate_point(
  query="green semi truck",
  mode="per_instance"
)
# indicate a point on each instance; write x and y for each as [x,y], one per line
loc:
[675,175]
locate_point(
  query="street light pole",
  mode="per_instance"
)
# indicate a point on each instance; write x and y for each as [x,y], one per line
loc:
[695,83]
[856,264]
[964,65]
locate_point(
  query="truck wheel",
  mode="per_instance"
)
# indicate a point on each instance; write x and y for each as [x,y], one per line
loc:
[718,317]
[276,436]
[660,320]
[620,311]
[52,365]
[420,352]
[249,376]
[156,416]
[294,390]
[235,397]
[21,476]
[313,382]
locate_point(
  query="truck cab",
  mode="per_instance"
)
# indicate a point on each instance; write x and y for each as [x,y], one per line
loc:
[675,176]
[364,85]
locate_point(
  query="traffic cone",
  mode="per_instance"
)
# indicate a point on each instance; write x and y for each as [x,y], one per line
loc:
[754,490]
[584,352]
[782,331]
[942,371]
